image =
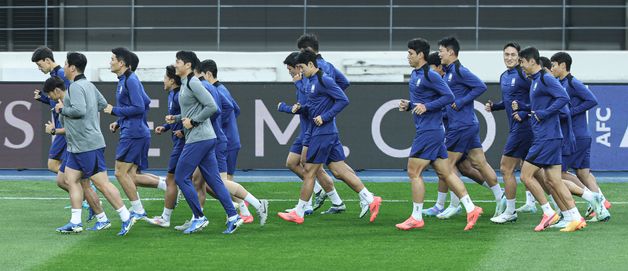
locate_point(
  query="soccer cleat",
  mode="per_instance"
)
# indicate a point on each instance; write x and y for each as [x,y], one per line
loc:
[246,219]
[98,226]
[374,208]
[547,221]
[433,211]
[410,223]
[472,217]
[232,226]
[291,217]
[71,228]
[126,227]
[85,205]
[603,216]
[527,208]
[505,218]
[500,206]
[262,212]
[159,221]
[335,209]
[597,205]
[183,226]
[449,212]
[589,213]
[308,211]
[136,217]
[560,224]
[319,199]
[574,225]
[196,225]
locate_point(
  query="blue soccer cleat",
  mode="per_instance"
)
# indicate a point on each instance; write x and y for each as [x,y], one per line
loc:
[135,216]
[126,227]
[233,225]
[100,226]
[71,228]
[197,225]
[433,211]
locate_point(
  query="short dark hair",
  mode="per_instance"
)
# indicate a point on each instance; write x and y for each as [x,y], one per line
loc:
[545,62]
[135,61]
[41,53]
[172,74]
[123,54]
[513,45]
[530,53]
[291,59]
[52,83]
[306,57]
[189,57]
[420,45]
[209,65]
[433,59]
[562,57]
[450,43]
[77,60]
[307,40]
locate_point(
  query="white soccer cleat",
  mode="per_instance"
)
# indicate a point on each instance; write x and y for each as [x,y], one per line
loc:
[159,221]
[527,208]
[449,212]
[183,227]
[504,218]
[263,212]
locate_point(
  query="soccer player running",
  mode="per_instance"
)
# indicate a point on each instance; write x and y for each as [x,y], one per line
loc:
[428,95]
[131,106]
[515,86]
[581,100]
[197,106]
[86,144]
[293,161]
[326,100]
[547,97]
[462,135]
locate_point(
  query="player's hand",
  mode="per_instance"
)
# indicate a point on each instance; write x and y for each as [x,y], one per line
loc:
[49,126]
[488,106]
[37,94]
[113,127]
[419,109]
[516,117]
[170,119]
[187,123]
[59,106]
[178,133]
[403,105]
[454,106]
[108,109]
[279,105]
[296,107]
[297,77]
[159,130]
[318,121]
[515,105]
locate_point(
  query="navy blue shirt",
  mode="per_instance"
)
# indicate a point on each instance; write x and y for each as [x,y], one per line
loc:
[230,113]
[515,86]
[132,105]
[547,97]
[301,93]
[174,109]
[431,90]
[325,99]
[465,87]
[332,72]
[581,99]
[58,72]
[216,117]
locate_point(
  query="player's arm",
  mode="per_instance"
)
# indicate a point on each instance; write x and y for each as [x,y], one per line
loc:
[77,107]
[475,84]
[557,91]
[136,101]
[340,100]
[202,95]
[588,99]
[445,98]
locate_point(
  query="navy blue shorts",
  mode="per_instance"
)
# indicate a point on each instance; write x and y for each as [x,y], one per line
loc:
[232,160]
[221,156]
[90,162]
[518,144]
[429,145]
[134,151]
[464,139]
[57,148]
[581,158]
[545,153]
[297,146]
[177,148]
[325,149]
[64,161]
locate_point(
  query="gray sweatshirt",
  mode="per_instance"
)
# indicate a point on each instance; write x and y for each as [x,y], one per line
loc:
[80,116]
[196,104]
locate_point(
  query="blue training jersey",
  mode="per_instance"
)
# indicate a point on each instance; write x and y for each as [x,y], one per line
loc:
[332,72]
[230,113]
[132,105]
[428,88]
[465,87]
[515,86]
[547,97]
[216,117]
[325,99]
[304,121]
[58,72]
[174,109]
[581,99]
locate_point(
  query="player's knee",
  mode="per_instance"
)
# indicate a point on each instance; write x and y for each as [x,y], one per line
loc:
[506,170]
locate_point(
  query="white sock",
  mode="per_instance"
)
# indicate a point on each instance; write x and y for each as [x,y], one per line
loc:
[468,204]
[124,213]
[567,215]
[136,205]
[588,195]
[102,217]
[547,209]
[529,198]
[334,197]
[309,204]
[76,216]
[166,214]
[162,184]
[244,211]
[485,184]
[497,191]
[510,206]
[454,201]
[317,187]
[554,204]
[417,211]
[301,208]
[253,201]
[440,200]
[575,215]
[366,196]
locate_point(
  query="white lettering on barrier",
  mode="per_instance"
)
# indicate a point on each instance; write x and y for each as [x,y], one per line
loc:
[263,116]
[19,124]
[600,126]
